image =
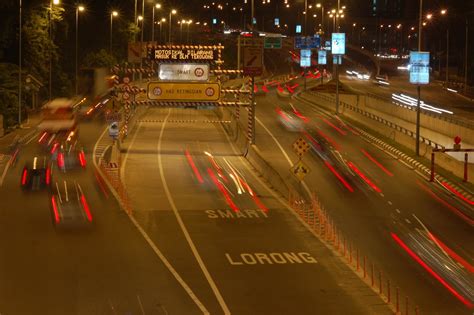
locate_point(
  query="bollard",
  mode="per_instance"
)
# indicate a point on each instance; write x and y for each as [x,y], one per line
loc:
[397,300]
[357,254]
[365,269]
[406,304]
[372,275]
[380,282]
[388,291]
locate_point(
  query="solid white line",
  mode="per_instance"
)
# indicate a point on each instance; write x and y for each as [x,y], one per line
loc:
[124,161]
[140,304]
[97,144]
[283,152]
[32,138]
[190,242]
[155,249]
[5,170]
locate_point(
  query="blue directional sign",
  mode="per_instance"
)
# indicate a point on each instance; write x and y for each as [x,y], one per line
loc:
[337,59]
[277,21]
[419,67]
[298,29]
[254,21]
[338,43]
[214,21]
[307,42]
[322,57]
[305,58]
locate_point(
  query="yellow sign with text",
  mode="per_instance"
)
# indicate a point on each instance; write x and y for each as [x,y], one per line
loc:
[185,92]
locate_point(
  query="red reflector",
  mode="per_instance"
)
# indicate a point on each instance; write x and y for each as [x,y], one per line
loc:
[23,176]
[55,209]
[86,208]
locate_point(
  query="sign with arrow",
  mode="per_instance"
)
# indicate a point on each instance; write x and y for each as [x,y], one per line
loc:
[253,61]
[300,170]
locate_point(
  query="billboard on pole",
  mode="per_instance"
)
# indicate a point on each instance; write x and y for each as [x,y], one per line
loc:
[338,43]
[419,67]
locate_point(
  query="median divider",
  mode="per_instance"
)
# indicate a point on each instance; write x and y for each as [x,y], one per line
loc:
[318,219]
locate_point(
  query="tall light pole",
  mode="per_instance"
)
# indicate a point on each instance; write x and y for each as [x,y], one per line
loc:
[163,20]
[466,47]
[305,32]
[319,5]
[112,15]
[157,6]
[169,34]
[51,3]
[140,19]
[181,30]
[79,8]
[187,35]
[19,64]
[252,10]
[418,87]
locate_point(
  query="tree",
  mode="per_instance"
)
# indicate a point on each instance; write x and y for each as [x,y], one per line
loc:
[9,94]
[99,59]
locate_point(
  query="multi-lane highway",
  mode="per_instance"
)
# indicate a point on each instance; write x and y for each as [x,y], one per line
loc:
[392,204]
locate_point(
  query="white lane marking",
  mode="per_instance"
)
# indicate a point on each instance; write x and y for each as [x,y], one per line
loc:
[390,203]
[140,304]
[32,138]
[408,221]
[5,170]
[398,211]
[155,249]
[406,164]
[283,152]
[422,175]
[382,195]
[190,242]
[97,145]
[124,161]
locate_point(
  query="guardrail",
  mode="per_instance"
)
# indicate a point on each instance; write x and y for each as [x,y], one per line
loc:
[314,214]
[376,118]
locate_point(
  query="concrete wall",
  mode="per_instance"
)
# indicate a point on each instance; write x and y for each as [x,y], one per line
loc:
[443,160]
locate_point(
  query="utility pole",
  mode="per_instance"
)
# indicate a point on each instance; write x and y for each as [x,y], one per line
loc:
[20,68]
[418,109]
[465,55]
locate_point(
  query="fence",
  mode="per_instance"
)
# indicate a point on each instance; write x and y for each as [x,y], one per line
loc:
[318,219]
[112,176]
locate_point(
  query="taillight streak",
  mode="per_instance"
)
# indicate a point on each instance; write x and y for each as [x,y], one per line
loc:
[86,208]
[193,166]
[365,178]
[431,271]
[61,160]
[342,132]
[329,139]
[313,141]
[23,176]
[55,209]
[223,190]
[453,254]
[370,157]
[55,146]
[447,205]
[254,196]
[82,159]
[457,193]
[48,176]
[341,179]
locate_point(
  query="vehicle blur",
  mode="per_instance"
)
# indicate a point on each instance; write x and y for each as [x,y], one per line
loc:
[69,206]
[36,175]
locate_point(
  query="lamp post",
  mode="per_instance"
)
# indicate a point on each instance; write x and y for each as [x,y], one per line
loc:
[112,15]
[19,64]
[79,8]
[181,30]
[158,6]
[169,31]
[140,19]
[319,5]
[163,20]
[187,35]
[51,3]
[418,88]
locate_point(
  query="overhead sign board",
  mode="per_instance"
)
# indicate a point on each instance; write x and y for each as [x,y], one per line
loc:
[305,58]
[182,54]
[277,21]
[272,42]
[322,57]
[419,67]
[253,61]
[307,42]
[338,44]
[186,92]
[183,72]
[252,41]
[298,29]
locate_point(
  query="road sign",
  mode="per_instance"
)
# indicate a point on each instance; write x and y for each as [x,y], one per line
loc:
[322,59]
[272,42]
[251,41]
[338,43]
[175,54]
[183,72]
[305,58]
[300,170]
[307,42]
[111,117]
[125,96]
[141,96]
[253,61]
[187,92]
[300,146]
[419,67]
[114,130]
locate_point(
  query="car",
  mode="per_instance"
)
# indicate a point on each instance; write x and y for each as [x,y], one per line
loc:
[36,176]
[69,207]
[289,120]
[70,157]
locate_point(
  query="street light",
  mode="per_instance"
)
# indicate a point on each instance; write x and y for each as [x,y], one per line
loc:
[169,35]
[112,15]
[51,3]
[79,8]
[19,64]
[158,6]
[187,37]
[319,5]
